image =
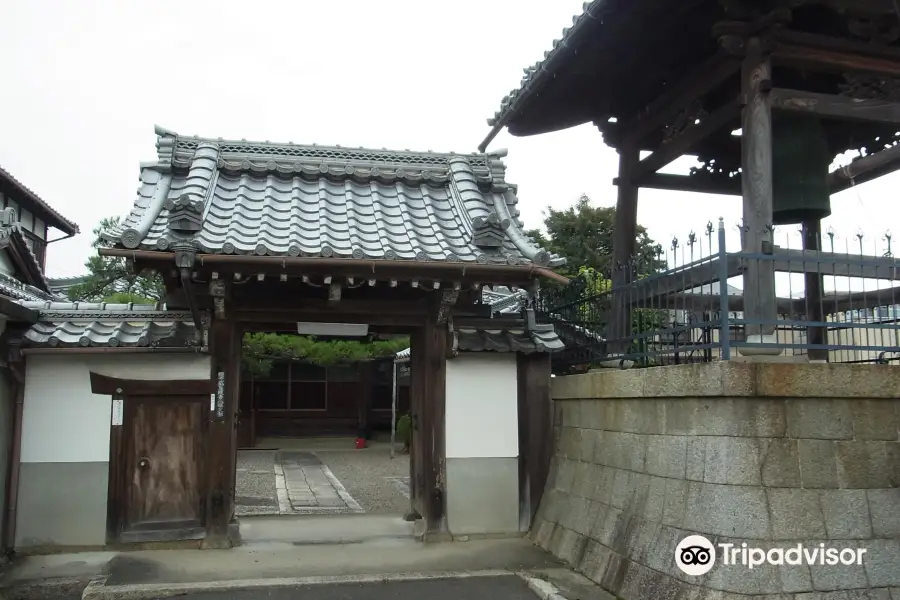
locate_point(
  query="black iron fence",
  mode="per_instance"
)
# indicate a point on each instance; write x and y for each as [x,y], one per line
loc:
[833,300]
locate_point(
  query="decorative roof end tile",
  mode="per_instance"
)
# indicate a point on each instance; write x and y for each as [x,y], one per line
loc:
[489,231]
[185,215]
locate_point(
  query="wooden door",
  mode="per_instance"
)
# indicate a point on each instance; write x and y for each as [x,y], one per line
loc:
[161,492]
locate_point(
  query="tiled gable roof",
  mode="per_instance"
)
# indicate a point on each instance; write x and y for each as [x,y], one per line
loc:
[516,339]
[502,301]
[89,324]
[59,221]
[61,285]
[535,74]
[15,289]
[262,198]
[13,241]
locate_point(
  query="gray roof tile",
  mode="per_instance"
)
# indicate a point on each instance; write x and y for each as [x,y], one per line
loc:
[508,340]
[544,68]
[289,200]
[67,334]
[86,324]
[61,223]
[501,300]
[501,340]
[508,303]
[15,289]
[13,240]
[61,285]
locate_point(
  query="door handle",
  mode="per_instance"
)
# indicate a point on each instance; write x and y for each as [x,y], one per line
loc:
[144,462]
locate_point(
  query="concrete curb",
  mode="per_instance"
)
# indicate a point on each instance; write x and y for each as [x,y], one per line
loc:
[542,589]
[38,589]
[98,590]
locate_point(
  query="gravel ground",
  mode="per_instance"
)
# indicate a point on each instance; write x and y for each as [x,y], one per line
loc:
[255,483]
[371,477]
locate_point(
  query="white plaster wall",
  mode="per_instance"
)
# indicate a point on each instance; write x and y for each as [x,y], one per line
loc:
[482,406]
[63,421]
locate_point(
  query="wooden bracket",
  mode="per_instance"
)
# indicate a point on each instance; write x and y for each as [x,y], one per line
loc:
[452,340]
[705,78]
[760,26]
[218,289]
[334,292]
[683,142]
[447,302]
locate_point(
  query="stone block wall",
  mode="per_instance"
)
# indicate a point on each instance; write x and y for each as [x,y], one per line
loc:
[768,454]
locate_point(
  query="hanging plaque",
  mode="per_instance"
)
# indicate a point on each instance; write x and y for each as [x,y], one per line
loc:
[118,412]
[220,396]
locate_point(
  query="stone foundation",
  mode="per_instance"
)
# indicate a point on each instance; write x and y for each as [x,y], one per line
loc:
[768,454]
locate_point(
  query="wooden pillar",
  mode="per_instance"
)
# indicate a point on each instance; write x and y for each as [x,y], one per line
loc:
[16,380]
[756,181]
[624,240]
[814,289]
[225,348]
[535,412]
[417,441]
[428,350]
[365,398]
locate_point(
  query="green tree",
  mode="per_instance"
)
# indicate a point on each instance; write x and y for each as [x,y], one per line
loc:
[113,279]
[261,350]
[583,234]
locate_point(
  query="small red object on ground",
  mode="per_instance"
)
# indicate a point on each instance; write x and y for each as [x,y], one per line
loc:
[360,443]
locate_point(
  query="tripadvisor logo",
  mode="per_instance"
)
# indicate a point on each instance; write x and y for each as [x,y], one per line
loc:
[695,555]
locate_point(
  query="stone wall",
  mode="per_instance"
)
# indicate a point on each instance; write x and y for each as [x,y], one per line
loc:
[767,454]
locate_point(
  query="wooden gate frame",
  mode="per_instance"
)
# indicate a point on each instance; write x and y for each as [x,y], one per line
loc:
[122,389]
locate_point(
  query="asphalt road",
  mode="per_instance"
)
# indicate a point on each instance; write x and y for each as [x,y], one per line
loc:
[505,587]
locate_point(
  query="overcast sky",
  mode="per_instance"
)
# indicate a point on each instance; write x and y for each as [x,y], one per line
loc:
[84,82]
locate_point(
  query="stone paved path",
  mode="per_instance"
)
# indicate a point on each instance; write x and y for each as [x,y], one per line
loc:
[288,483]
[312,488]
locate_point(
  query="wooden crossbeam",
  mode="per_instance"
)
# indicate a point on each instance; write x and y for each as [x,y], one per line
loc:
[865,169]
[853,301]
[311,315]
[859,171]
[786,306]
[686,183]
[654,290]
[836,107]
[795,38]
[682,143]
[839,265]
[706,77]
[833,60]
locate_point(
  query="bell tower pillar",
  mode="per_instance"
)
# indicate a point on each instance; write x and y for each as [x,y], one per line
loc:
[758,194]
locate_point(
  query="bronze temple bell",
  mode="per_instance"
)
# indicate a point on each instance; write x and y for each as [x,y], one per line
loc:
[800,162]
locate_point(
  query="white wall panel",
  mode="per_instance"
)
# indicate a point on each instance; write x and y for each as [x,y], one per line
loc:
[482,406]
[63,421]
